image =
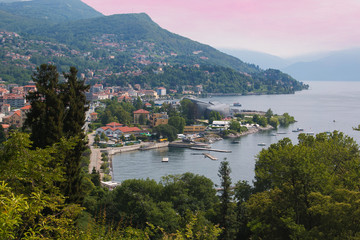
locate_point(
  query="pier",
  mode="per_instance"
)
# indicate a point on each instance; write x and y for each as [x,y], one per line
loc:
[210,156]
[209,149]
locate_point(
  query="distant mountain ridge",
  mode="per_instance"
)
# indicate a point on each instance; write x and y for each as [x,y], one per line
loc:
[326,66]
[338,66]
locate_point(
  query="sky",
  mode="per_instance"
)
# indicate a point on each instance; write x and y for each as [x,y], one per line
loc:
[284,28]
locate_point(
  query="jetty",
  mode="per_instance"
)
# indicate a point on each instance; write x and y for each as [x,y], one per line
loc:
[209,149]
[210,156]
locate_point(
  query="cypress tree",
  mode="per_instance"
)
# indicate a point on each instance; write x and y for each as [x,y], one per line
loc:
[45,120]
[58,110]
[73,92]
[227,216]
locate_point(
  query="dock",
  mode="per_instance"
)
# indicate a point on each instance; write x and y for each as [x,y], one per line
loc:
[209,149]
[210,156]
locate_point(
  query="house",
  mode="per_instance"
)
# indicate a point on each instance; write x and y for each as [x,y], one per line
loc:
[13,119]
[161,91]
[118,131]
[159,118]
[93,116]
[141,113]
[148,105]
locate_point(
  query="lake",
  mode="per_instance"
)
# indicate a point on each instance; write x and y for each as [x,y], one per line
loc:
[326,106]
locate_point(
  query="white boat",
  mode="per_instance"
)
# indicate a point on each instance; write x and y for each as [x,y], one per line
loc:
[165,159]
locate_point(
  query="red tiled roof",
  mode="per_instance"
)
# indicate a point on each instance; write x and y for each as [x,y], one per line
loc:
[122,129]
[18,112]
[114,124]
[129,129]
[93,113]
[141,111]
[5,126]
[27,107]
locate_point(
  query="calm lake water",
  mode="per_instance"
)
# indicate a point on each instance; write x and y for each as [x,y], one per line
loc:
[326,106]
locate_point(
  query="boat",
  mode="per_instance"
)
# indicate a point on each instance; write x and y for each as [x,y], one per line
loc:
[235,141]
[273,134]
[165,159]
[236,104]
[261,144]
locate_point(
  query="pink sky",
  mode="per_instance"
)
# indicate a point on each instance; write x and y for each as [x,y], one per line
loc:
[280,27]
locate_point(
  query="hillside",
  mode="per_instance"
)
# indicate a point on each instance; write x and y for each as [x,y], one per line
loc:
[52,11]
[122,48]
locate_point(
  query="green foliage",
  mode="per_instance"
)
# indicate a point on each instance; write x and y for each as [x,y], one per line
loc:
[274,122]
[308,190]
[31,204]
[116,112]
[178,123]
[214,116]
[285,120]
[235,126]
[188,111]
[166,131]
[227,216]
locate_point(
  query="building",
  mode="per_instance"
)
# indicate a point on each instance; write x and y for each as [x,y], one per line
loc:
[15,100]
[194,129]
[13,119]
[117,132]
[159,118]
[149,93]
[139,113]
[161,91]
[93,116]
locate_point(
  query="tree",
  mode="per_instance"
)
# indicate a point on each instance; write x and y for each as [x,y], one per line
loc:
[274,122]
[214,116]
[178,123]
[73,95]
[188,110]
[45,119]
[31,203]
[227,216]
[235,125]
[2,134]
[58,110]
[269,113]
[306,190]
[166,131]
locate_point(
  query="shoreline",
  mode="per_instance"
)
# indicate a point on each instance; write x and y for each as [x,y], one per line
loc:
[95,157]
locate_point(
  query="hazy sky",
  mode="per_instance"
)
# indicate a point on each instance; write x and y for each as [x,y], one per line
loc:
[280,27]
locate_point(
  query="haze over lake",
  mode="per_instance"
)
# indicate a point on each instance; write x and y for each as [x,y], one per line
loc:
[326,106]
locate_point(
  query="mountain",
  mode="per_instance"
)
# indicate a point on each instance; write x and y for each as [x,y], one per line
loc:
[124,49]
[263,60]
[50,10]
[337,66]
[134,27]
